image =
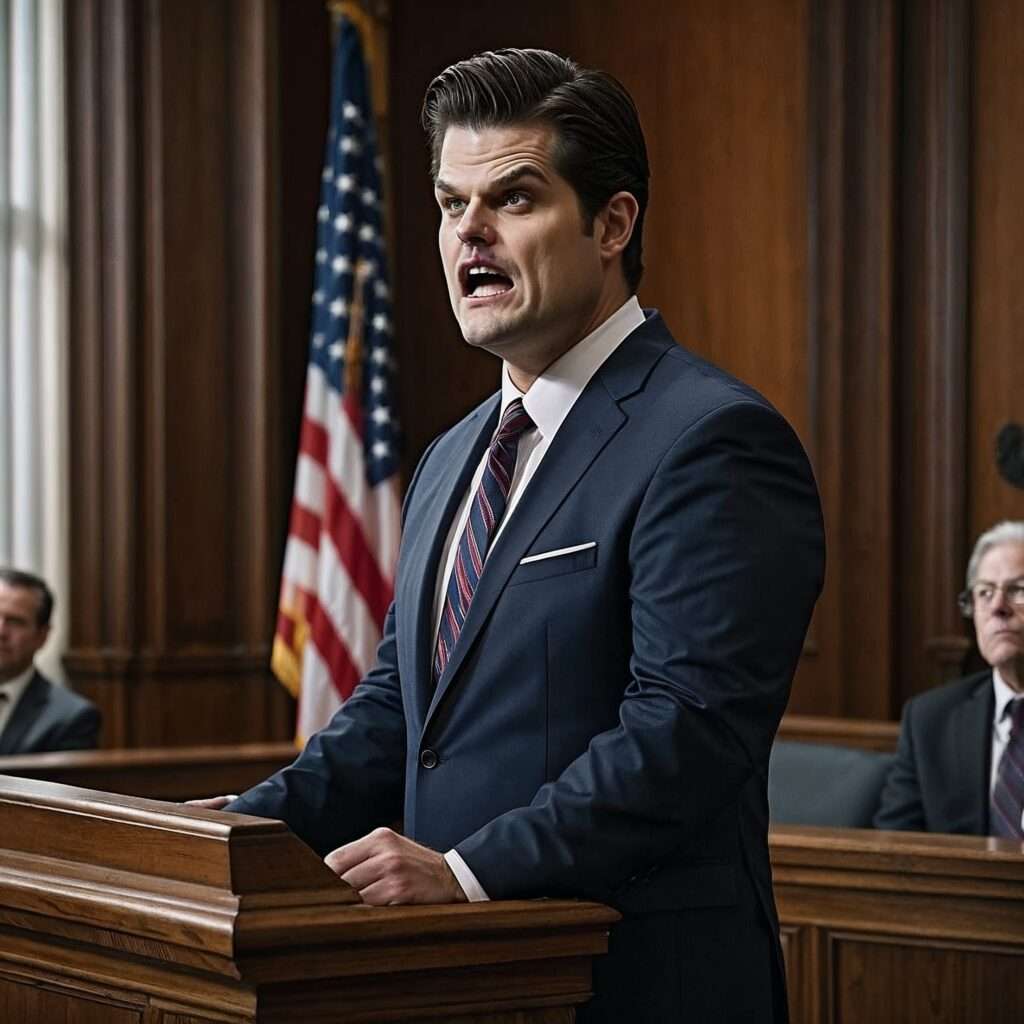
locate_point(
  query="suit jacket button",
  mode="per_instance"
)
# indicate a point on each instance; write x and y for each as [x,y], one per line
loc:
[428,758]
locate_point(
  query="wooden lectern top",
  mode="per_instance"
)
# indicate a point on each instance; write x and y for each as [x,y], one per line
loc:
[138,894]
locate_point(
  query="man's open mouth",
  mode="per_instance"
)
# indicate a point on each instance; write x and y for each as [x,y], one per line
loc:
[482,282]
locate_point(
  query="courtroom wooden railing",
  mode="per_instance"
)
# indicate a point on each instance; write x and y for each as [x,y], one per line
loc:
[842,732]
[158,773]
[178,773]
[900,927]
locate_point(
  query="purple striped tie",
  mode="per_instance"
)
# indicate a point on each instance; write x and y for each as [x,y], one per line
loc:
[1008,792]
[484,515]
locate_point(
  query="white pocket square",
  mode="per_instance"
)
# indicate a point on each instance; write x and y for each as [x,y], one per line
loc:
[558,552]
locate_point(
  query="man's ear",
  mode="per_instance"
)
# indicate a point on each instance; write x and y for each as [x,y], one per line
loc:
[615,224]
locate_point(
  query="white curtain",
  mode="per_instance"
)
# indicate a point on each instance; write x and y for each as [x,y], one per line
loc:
[33,303]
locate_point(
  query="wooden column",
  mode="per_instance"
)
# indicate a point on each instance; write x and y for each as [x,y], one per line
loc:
[177,464]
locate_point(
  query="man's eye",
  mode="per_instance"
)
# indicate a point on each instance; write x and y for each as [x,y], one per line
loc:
[515,199]
[1015,593]
[983,593]
[453,205]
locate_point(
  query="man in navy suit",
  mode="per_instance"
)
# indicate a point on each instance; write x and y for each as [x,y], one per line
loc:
[35,715]
[606,574]
[953,739]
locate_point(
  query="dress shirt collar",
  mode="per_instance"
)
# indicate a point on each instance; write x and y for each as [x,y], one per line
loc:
[15,687]
[554,392]
[1003,694]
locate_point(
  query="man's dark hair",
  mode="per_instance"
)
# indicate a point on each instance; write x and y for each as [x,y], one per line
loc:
[599,144]
[29,581]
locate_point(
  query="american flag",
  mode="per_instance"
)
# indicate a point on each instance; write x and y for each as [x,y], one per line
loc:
[342,546]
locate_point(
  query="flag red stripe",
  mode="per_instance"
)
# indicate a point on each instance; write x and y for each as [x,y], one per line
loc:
[286,629]
[305,525]
[354,551]
[344,673]
[313,441]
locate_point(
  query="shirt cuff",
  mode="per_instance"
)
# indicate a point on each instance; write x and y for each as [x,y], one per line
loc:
[470,886]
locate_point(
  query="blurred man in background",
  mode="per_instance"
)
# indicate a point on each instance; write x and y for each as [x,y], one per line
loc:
[35,715]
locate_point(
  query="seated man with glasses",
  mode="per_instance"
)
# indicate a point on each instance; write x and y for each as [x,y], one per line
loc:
[960,763]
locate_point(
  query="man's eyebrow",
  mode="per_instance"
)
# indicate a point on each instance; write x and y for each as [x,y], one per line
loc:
[506,180]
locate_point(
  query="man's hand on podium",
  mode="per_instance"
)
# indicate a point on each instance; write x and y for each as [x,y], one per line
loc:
[213,803]
[387,869]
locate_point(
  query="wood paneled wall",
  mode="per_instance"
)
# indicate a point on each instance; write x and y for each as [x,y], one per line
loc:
[833,218]
[182,396]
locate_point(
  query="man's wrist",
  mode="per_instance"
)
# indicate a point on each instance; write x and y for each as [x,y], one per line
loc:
[472,890]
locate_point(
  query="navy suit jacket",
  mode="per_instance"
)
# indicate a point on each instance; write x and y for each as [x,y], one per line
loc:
[940,779]
[48,718]
[603,726]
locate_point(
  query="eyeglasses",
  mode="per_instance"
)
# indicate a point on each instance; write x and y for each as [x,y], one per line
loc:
[983,595]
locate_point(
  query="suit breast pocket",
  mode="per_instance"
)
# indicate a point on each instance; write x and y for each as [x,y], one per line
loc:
[559,562]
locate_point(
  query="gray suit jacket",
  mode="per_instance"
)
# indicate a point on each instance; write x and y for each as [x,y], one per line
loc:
[49,717]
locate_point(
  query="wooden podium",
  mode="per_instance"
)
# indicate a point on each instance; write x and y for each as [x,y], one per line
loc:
[115,909]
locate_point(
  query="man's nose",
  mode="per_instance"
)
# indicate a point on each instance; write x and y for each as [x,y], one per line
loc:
[1001,603]
[475,227]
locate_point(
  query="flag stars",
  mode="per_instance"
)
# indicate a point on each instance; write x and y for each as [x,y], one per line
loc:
[380,356]
[377,385]
[380,289]
[318,340]
[336,350]
[349,144]
[341,265]
[381,415]
[338,308]
[321,255]
[351,112]
[367,233]
[323,214]
[381,324]
[318,298]
[345,183]
[381,449]
[342,223]
[369,196]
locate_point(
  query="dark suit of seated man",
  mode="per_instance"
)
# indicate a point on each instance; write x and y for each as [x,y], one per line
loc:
[35,715]
[960,759]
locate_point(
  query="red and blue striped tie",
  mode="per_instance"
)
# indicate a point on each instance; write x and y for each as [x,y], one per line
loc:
[1008,792]
[484,515]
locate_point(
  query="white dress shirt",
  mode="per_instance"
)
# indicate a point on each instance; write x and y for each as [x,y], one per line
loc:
[548,402]
[1000,723]
[12,690]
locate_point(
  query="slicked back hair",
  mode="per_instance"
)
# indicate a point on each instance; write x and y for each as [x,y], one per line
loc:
[599,145]
[28,581]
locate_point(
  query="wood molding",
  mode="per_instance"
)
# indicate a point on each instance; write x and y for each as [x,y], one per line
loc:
[851,182]
[933,352]
[176,452]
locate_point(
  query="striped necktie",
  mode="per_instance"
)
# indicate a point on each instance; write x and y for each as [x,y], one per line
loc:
[484,515]
[1008,792]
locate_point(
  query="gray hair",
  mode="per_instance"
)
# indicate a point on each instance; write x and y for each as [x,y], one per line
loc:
[1010,531]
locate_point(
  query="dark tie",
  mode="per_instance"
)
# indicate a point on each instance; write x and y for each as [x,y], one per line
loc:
[1008,792]
[484,515]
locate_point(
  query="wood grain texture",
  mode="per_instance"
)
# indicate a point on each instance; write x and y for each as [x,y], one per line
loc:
[844,732]
[190,913]
[872,916]
[162,773]
[175,544]
[996,369]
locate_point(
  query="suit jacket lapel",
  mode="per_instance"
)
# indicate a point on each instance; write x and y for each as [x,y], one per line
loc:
[25,712]
[972,731]
[594,420]
[437,501]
